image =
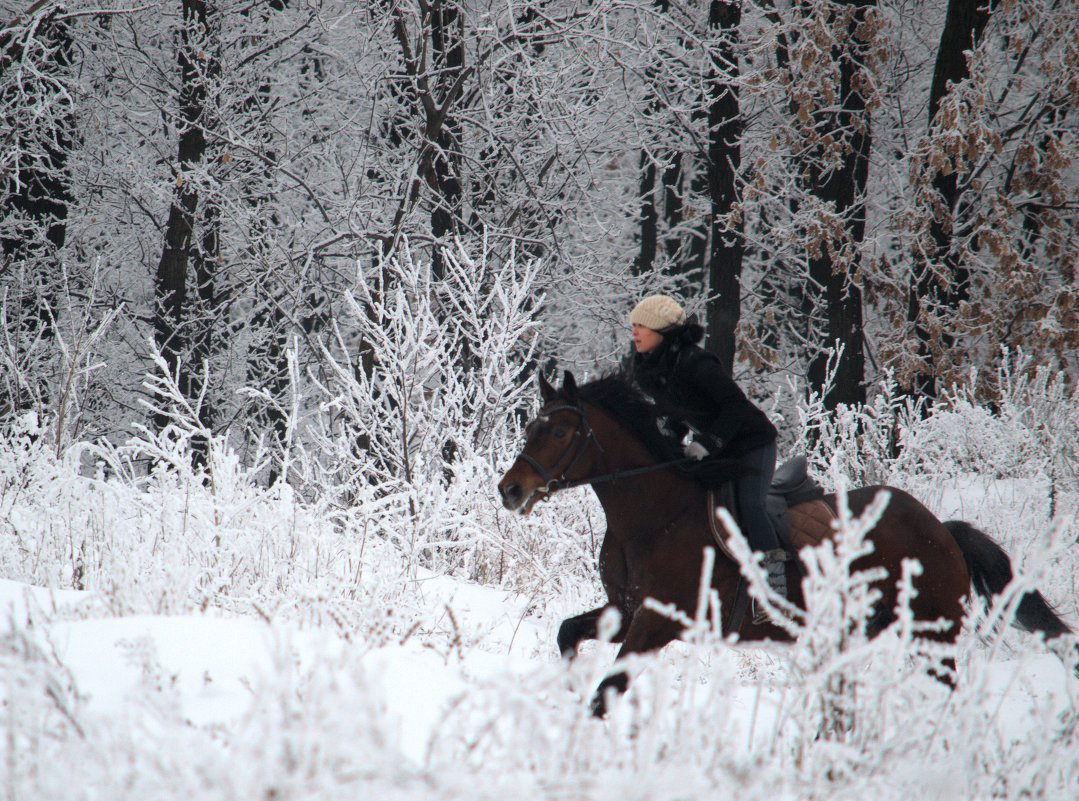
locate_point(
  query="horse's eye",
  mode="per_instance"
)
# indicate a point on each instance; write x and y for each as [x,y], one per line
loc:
[559,433]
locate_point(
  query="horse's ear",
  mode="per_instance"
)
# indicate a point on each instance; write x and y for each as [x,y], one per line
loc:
[569,385]
[546,390]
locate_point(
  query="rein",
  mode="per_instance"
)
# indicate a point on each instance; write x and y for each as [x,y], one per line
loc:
[607,477]
[561,483]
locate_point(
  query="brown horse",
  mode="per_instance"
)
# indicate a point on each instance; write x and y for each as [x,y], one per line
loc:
[606,434]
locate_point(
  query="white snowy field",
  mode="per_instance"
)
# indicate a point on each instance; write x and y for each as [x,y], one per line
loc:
[233,642]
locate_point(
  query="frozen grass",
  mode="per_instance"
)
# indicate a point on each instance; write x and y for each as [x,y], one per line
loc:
[387,671]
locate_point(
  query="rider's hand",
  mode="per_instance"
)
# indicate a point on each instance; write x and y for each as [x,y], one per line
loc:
[694,450]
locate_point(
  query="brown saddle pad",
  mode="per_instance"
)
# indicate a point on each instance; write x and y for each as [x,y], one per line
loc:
[811,523]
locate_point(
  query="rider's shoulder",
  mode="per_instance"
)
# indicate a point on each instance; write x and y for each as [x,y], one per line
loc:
[692,356]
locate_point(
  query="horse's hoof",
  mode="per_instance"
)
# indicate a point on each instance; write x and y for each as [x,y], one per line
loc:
[615,684]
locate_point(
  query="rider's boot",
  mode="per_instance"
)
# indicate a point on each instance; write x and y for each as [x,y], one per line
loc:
[775,569]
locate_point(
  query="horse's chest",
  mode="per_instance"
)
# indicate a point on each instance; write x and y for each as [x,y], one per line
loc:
[611,566]
[623,572]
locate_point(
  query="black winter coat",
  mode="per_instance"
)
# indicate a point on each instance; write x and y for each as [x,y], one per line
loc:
[688,384]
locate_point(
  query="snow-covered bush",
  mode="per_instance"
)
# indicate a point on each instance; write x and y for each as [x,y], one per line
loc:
[376,570]
[421,409]
[1028,433]
[861,442]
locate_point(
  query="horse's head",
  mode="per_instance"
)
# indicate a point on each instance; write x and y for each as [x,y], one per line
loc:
[559,449]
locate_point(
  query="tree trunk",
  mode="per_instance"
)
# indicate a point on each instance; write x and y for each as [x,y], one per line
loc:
[186,350]
[649,235]
[725,127]
[444,171]
[673,210]
[670,211]
[842,188]
[267,359]
[963,27]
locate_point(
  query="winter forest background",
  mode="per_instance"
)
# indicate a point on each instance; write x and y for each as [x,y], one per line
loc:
[276,278]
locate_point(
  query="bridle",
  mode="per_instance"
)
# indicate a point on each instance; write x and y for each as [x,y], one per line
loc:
[571,458]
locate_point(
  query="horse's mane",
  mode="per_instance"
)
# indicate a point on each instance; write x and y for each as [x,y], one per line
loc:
[617,396]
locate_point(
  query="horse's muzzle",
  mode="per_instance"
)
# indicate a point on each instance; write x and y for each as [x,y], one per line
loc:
[513,494]
[519,496]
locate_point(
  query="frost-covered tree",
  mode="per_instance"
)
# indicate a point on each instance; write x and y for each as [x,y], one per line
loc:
[36,80]
[223,173]
[995,212]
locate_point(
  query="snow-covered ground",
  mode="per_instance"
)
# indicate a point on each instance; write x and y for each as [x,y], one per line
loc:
[231,643]
[215,668]
[212,665]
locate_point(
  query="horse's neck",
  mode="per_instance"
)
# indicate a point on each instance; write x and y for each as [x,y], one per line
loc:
[649,499]
[645,500]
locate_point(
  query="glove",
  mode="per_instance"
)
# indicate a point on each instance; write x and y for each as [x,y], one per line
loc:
[694,450]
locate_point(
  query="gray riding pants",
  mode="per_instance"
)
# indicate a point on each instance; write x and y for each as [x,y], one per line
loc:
[750,491]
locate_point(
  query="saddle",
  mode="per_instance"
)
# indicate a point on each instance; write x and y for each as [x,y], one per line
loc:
[794,504]
[796,507]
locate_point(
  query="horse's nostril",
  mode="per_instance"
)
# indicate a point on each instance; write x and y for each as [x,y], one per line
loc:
[511,493]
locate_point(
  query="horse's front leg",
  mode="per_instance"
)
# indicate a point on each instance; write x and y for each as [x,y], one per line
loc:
[575,630]
[648,631]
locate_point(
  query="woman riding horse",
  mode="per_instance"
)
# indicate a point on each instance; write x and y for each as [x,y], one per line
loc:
[659,517]
[689,384]
[607,435]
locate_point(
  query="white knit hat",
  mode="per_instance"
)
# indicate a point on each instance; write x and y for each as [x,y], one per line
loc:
[658,312]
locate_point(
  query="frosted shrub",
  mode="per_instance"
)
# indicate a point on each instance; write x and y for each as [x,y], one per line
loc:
[149,531]
[961,437]
[44,508]
[860,442]
[424,365]
[25,460]
[892,440]
[1026,436]
[1046,403]
[420,402]
[1031,434]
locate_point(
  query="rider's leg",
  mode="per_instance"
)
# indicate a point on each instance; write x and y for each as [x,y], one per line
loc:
[752,489]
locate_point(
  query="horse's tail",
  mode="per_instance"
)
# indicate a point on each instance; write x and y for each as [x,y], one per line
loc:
[990,572]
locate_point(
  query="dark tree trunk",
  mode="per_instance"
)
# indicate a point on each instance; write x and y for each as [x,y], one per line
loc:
[34,198]
[649,216]
[725,126]
[673,211]
[670,211]
[437,92]
[205,263]
[696,250]
[183,341]
[267,359]
[942,281]
[843,188]
[444,173]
